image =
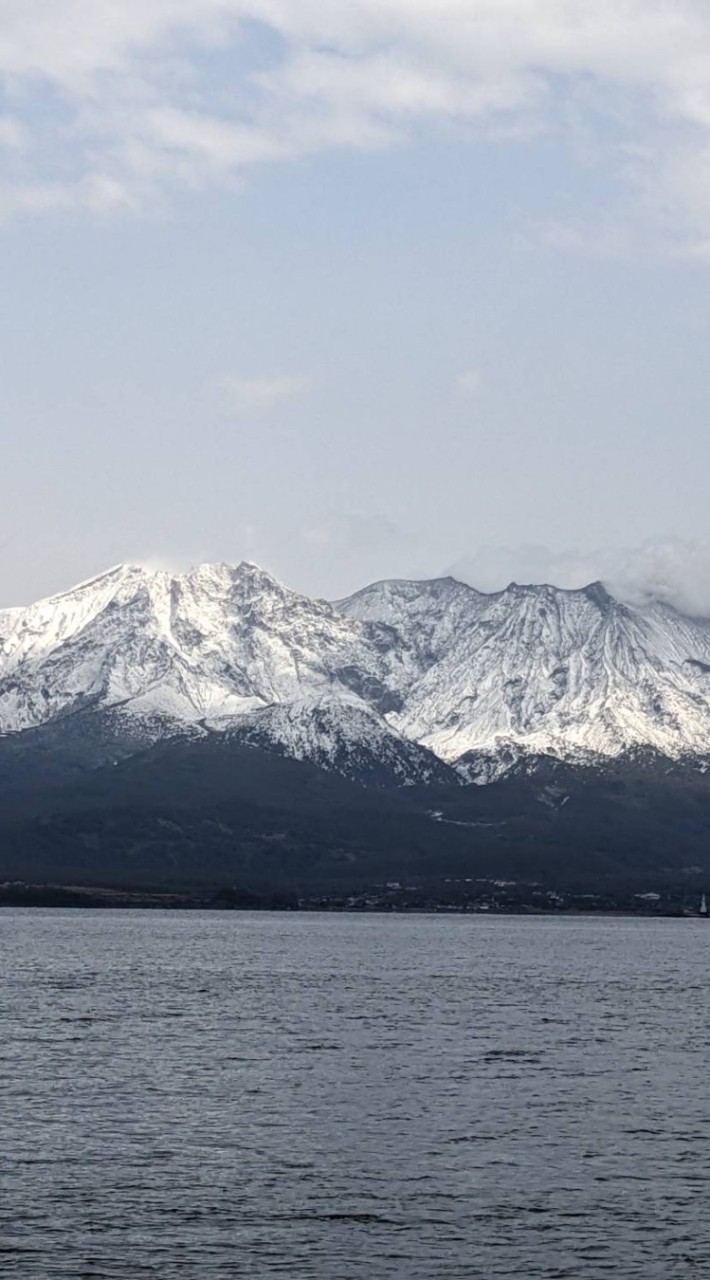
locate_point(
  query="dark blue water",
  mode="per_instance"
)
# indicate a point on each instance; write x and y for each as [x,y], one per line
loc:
[226,1095]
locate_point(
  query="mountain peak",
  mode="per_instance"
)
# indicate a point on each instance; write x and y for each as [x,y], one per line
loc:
[257,581]
[598,594]
[118,573]
[434,662]
[208,573]
[248,569]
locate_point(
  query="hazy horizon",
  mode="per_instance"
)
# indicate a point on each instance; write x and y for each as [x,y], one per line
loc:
[671,573]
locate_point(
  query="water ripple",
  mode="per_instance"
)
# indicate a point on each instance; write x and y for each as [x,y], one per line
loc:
[208,1096]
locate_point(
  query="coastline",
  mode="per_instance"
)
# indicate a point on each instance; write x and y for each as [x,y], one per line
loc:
[109,897]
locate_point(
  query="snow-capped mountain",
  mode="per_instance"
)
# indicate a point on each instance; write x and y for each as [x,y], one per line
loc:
[552,671]
[402,679]
[218,649]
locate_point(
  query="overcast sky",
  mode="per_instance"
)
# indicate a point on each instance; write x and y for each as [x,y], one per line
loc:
[354,290]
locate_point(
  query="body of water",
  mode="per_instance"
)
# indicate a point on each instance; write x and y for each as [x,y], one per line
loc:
[338,1097]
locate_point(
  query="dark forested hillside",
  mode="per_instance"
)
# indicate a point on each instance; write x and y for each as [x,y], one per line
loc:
[212,812]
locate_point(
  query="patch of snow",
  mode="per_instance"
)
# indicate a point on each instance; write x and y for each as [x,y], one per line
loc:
[482,681]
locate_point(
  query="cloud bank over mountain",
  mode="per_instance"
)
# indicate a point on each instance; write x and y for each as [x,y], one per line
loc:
[671,571]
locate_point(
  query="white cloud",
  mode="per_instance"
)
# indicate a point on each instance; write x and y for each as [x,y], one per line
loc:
[244,396]
[12,134]
[671,570]
[470,381]
[113,102]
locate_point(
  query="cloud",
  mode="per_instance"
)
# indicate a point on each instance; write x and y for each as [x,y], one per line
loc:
[115,103]
[12,134]
[242,396]
[670,570]
[470,381]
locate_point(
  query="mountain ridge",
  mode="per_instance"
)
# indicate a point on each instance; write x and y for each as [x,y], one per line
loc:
[402,680]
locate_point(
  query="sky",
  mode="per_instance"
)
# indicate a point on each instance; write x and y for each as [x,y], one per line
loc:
[384,288]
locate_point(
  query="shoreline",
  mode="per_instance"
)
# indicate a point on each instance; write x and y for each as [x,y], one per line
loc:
[17,894]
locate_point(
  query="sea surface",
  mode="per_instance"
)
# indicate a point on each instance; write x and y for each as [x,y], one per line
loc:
[211,1095]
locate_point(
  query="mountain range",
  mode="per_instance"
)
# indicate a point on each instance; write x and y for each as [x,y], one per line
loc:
[419,691]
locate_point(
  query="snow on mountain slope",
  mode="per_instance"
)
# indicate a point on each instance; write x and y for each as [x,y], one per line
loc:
[561,672]
[217,640]
[339,734]
[413,623]
[205,648]
[376,682]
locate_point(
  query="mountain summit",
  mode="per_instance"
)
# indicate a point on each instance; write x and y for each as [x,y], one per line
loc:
[403,679]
